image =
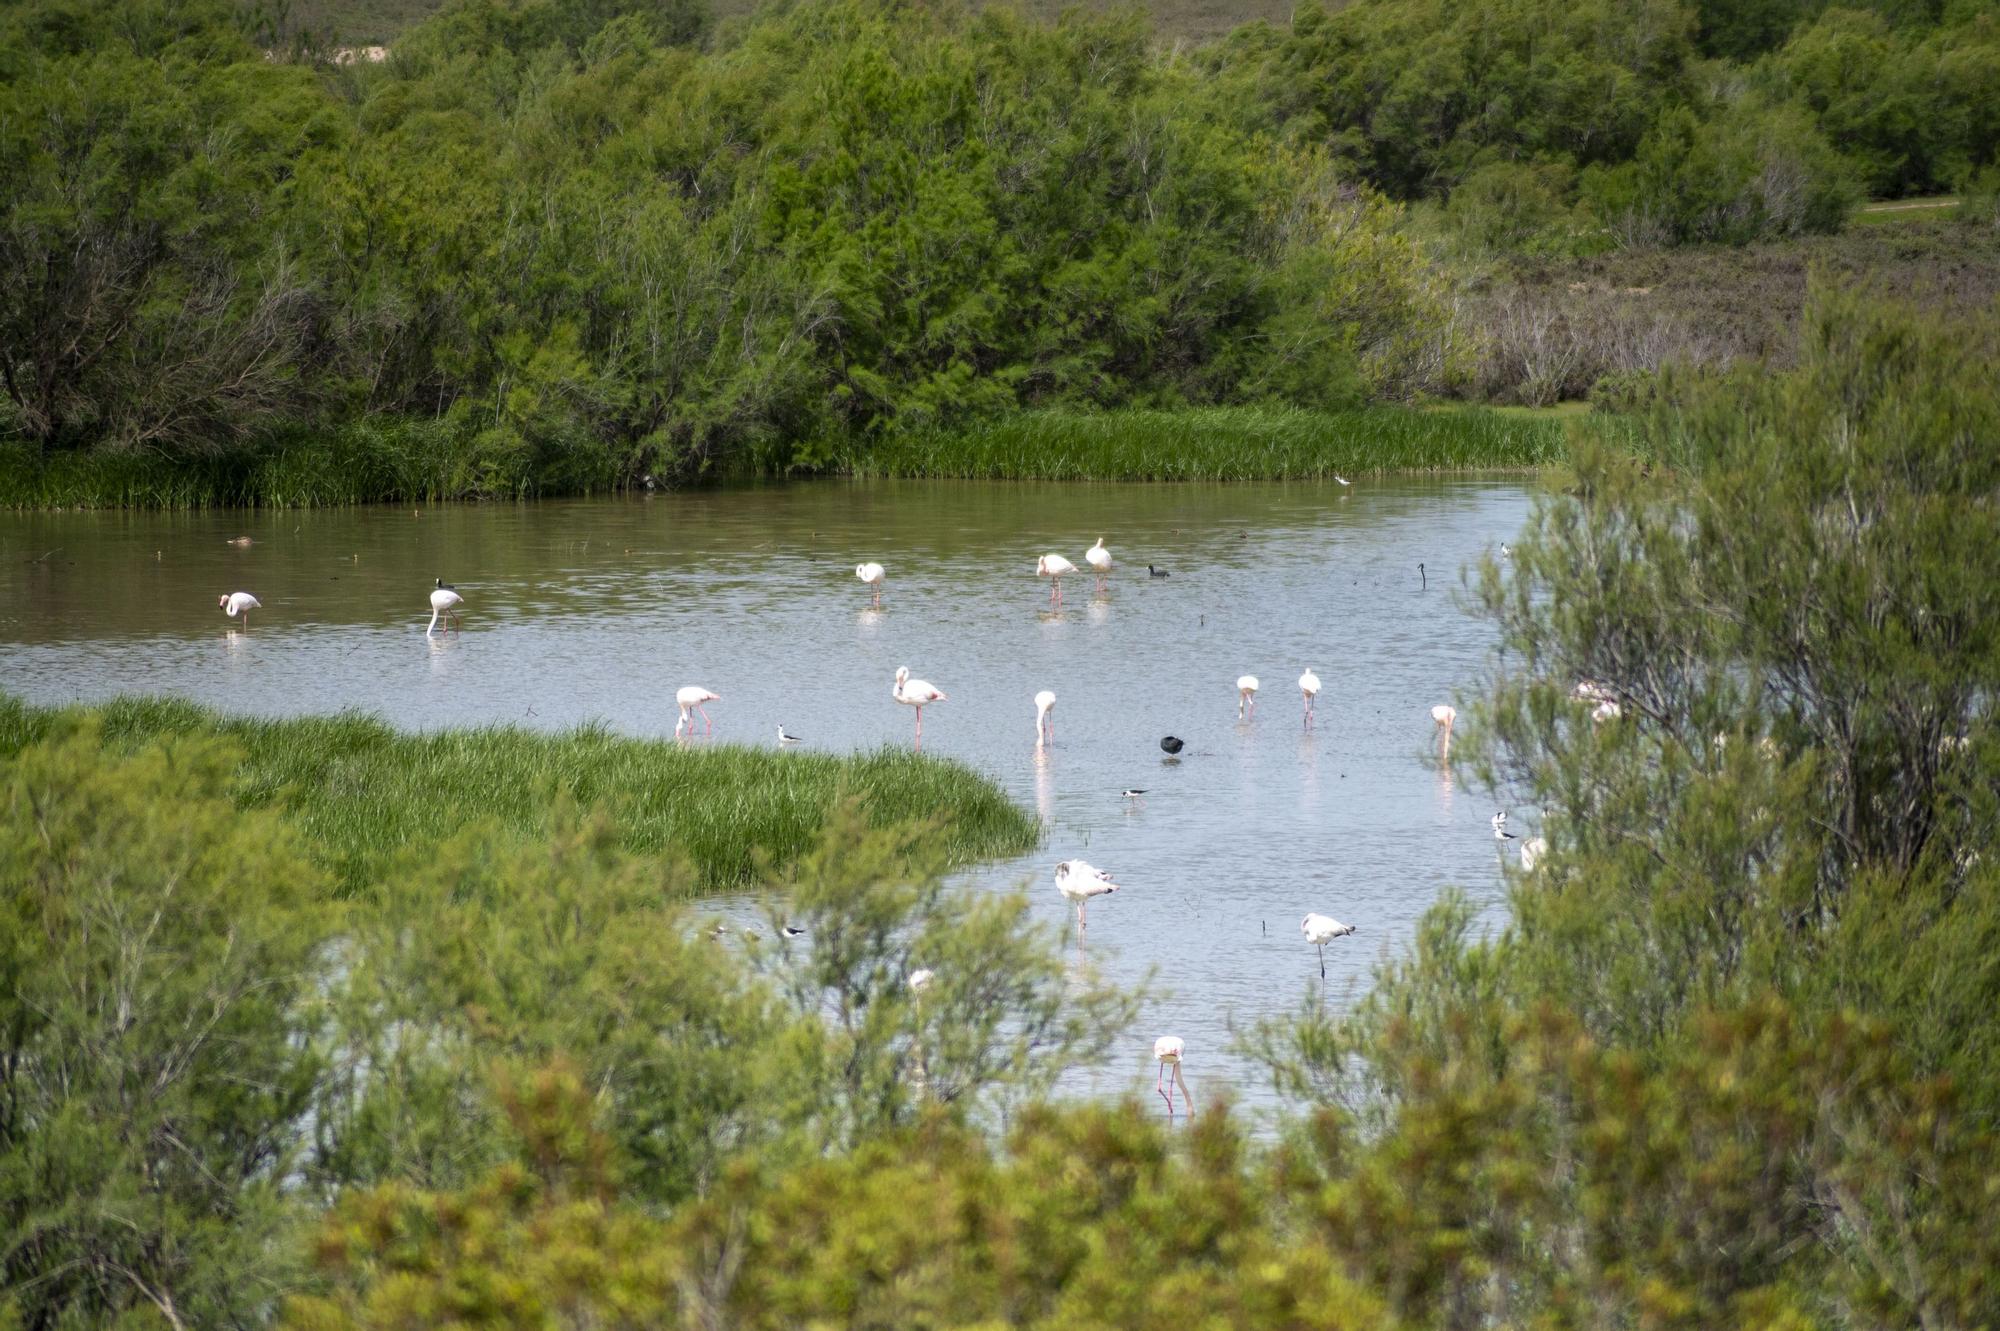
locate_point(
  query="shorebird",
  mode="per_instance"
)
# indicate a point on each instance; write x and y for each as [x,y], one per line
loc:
[792,931]
[689,698]
[1169,1050]
[785,738]
[1099,559]
[917,693]
[1172,745]
[239,603]
[1500,832]
[1309,688]
[1342,480]
[1246,696]
[1321,930]
[1079,882]
[445,602]
[1045,716]
[871,573]
[1134,793]
[1054,566]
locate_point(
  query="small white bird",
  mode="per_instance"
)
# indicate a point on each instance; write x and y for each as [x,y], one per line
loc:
[1246,695]
[792,931]
[1606,711]
[1099,559]
[689,698]
[786,738]
[1079,882]
[1309,687]
[1532,851]
[1341,479]
[871,573]
[239,603]
[1169,1050]
[445,602]
[917,693]
[1500,832]
[921,980]
[1054,566]
[1045,716]
[1321,930]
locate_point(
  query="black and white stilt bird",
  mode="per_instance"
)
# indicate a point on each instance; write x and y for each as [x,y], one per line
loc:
[1500,832]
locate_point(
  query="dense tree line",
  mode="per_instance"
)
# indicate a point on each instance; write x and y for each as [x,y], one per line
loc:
[1731,1062]
[567,242]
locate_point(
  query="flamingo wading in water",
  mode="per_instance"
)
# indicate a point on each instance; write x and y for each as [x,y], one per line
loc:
[445,602]
[1079,881]
[1169,1050]
[917,693]
[1321,930]
[1309,689]
[239,603]
[1045,716]
[871,573]
[1099,559]
[690,699]
[1246,696]
[1054,566]
[1443,716]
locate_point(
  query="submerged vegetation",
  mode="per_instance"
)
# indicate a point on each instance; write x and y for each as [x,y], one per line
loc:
[362,797]
[836,227]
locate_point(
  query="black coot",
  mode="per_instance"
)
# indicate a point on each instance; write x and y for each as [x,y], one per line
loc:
[1171,745]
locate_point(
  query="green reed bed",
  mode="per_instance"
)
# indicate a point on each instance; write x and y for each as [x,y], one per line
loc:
[365,795]
[1219,444]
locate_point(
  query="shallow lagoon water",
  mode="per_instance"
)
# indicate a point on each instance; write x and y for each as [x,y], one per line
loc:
[598,610]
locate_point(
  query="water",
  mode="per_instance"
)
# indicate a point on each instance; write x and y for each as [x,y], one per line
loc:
[600,609]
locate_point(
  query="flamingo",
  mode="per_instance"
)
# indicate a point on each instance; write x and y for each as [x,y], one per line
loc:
[1099,559]
[445,602]
[1321,930]
[1443,716]
[1169,1049]
[1045,719]
[921,980]
[239,603]
[1532,851]
[689,699]
[917,693]
[871,573]
[1054,566]
[1246,696]
[1309,686]
[1079,882]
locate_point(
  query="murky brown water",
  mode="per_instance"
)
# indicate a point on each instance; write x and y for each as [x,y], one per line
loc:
[601,609]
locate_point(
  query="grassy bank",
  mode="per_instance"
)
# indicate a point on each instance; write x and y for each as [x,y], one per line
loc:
[366,795]
[1221,444]
[391,461]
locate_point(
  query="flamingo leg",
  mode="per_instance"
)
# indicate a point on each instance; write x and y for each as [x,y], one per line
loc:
[1322,961]
[1186,1099]
[1164,1089]
[706,721]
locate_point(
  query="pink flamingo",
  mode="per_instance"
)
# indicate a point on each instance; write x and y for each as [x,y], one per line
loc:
[1045,716]
[690,700]
[917,693]
[1169,1050]
[1054,566]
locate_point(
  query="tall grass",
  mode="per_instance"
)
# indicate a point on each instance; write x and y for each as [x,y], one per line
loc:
[365,795]
[369,461]
[1217,444]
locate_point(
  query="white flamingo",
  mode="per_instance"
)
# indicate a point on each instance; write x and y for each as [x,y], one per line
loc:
[1532,851]
[689,699]
[1309,687]
[1169,1050]
[1079,882]
[1321,930]
[1054,566]
[1045,716]
[445,602]
[1444,716]
[1099,559]
[1246,696]
[239,603]
[917,693]
[921,980]
[871,573]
